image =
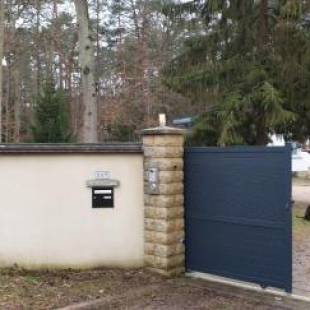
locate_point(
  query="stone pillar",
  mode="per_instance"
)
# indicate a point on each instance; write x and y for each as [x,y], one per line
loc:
[164,200]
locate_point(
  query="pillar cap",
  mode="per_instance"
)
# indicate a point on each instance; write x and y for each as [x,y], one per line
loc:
[163,130]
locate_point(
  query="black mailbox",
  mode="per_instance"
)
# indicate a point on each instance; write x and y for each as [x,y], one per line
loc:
[103,197]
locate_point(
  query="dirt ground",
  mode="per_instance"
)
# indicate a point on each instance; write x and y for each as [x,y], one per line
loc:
[119,289]
[301,238]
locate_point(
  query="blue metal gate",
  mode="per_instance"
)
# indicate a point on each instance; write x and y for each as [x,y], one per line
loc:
[238,213]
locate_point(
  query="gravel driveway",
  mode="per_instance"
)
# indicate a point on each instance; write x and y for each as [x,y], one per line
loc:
[301,239]
[301,190]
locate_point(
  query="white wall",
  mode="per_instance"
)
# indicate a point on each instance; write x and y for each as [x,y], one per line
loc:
[46,217]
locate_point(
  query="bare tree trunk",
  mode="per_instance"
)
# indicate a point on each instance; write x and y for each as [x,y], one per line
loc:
[1,57]
[145,63]
[17,101]
[37,43]
[8,96]
[14,83]
[263,31]
[88,132]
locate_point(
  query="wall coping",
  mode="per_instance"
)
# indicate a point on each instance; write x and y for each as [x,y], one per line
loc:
[62,148]
[163,130]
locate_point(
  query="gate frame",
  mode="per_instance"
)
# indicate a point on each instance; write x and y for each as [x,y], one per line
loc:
[287,149]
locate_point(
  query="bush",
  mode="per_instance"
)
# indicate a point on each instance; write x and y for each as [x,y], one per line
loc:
[51,117]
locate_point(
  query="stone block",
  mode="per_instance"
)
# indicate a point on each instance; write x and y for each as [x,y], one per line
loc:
[164,238]
[167,176]
[164,250]
[166,189]
[164,140]
[164,201]
[165,263]
[171,176]
[163,151]
[171,188]
[164,164]
[163,213]
[171,272]
[166,226]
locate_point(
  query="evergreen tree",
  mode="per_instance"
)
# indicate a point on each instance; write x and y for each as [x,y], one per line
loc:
[248,62]
[51,117]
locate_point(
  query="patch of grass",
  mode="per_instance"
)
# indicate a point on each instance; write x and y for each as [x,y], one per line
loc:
[301,227]
[32,280]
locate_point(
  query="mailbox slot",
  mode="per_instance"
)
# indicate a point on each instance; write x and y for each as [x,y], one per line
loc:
[103,197]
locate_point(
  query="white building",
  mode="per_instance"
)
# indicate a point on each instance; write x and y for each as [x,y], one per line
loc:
[300,158]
